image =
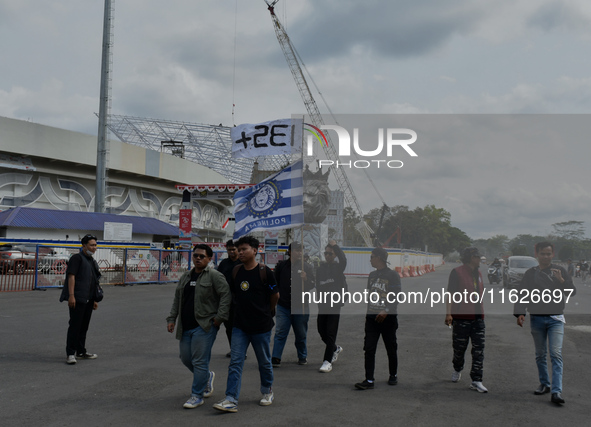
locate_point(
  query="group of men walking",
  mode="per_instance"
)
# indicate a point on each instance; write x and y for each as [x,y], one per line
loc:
[246,295]
[255,294]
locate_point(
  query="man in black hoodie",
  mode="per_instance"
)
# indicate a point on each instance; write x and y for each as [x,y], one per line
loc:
[330,278]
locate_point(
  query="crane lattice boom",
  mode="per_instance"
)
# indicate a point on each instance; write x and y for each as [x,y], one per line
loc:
[316,118]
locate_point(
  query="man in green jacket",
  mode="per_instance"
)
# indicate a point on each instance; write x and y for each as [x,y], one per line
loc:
[202,302]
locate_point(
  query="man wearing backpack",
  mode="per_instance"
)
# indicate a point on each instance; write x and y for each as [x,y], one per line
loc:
[255,296]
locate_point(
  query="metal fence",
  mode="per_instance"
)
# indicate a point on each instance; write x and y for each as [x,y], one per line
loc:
[118,266]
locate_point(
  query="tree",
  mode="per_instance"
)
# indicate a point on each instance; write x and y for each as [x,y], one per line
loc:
[351,236]
[570,230]
[519,250]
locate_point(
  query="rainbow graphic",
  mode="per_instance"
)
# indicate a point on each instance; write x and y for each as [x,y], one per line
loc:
[318,134]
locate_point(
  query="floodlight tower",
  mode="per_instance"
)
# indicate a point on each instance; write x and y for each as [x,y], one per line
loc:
[102,148]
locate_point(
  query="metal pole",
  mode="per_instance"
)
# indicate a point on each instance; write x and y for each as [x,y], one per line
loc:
[104,109]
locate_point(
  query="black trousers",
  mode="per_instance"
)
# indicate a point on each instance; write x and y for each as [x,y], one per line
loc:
[229,324]
[463,332]
[328,327]
[79,321]
[373,331]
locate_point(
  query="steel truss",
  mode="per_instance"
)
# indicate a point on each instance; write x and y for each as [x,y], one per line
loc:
[207,145]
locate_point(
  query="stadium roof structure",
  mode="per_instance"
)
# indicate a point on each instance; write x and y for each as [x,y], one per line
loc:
[74,220]
[207,145]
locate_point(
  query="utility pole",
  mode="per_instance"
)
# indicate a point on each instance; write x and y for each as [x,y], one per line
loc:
[102,148]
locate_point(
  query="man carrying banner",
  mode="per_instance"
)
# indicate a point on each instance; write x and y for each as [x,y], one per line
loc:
[290,273]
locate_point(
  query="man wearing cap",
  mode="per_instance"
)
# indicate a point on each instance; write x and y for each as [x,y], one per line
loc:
[82,277]
[467,317]
[383,285]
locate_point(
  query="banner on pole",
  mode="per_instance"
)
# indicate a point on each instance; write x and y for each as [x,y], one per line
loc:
[277,137]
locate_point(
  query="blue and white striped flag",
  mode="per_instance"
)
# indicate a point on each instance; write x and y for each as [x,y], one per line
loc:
[272,204]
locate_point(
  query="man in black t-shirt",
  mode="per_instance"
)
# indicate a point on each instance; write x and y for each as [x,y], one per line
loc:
[255,296]
[226,266]
[548,287]
[82,277]
[381,318]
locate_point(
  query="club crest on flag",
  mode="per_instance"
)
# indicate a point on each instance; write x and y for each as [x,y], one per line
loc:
[265,201]
[275,203]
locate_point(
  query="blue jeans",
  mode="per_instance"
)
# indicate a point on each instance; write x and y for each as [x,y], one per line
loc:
[261,344]
[284,321]
[544,328]
[195,348]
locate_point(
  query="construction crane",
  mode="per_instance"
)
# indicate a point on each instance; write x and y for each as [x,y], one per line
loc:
[316,118]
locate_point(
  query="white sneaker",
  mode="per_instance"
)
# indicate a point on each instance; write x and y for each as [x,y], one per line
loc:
[226,406]
[71,360]
[326,366]
[477,385]
[455,376]
[209,387]
[193,402]
[336,353]
[267,399]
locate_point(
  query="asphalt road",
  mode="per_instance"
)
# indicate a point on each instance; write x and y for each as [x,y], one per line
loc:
[138,378]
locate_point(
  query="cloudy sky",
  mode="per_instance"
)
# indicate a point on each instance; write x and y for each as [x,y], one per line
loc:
[192,60]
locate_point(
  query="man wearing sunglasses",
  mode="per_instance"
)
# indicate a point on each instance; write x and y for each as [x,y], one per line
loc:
[330,278]
[201,302]
[82,277]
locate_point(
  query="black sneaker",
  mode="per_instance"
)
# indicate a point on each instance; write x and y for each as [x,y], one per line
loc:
[302,361]
[86,356]
[276,362]
[542,389]
[393,380]
[365,385]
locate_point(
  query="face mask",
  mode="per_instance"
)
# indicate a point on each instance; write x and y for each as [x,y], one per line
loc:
[88,252]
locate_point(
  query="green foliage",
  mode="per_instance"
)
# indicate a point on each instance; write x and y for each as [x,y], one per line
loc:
[519,250]
[569,230]
[422,228]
